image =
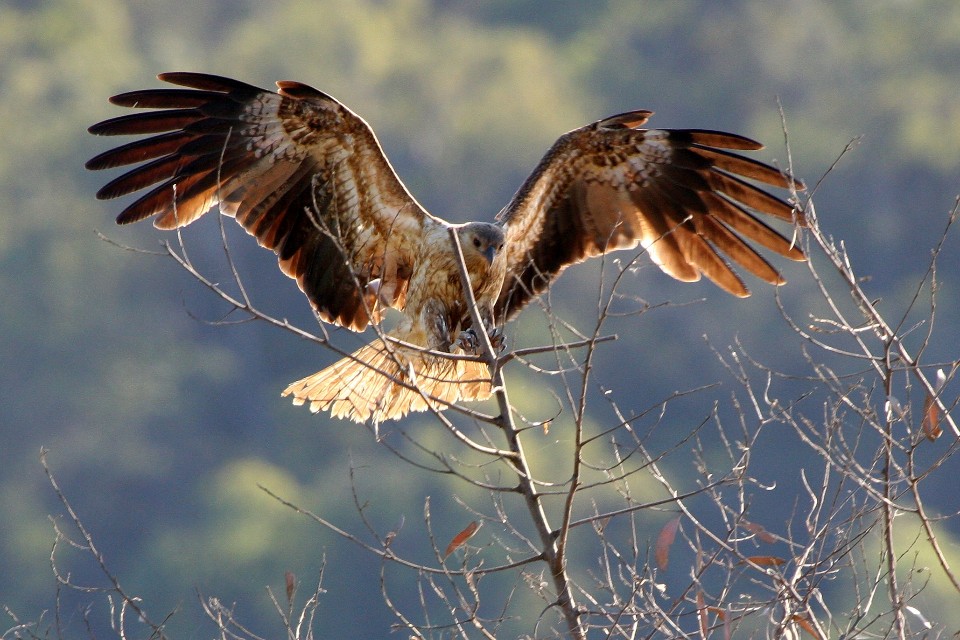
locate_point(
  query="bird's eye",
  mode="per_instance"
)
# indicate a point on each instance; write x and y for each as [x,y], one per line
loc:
[476,242]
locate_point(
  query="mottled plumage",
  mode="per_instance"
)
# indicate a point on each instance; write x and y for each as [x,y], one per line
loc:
[307,178]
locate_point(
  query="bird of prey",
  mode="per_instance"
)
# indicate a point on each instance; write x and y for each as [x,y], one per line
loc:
[307,177]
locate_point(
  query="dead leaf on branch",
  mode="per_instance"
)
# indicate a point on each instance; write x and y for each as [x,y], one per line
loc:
[461,538]
[661,549]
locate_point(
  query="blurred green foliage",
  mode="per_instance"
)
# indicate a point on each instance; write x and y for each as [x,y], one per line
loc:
[161,426]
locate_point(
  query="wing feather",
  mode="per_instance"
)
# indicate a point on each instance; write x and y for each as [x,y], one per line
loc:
[138,123]
[734,164]
[738,219]
[158,170]
[752,196]
[139,151]
[296,168]
[210,82]
[738,251]
[679,193]
[165,98]
[664,236]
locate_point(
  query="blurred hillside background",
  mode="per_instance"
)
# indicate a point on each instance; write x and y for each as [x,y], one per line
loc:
[161,426]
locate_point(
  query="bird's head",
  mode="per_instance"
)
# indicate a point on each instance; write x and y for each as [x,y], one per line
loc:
[481,243]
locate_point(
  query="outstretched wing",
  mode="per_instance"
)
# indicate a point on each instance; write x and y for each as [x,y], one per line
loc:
[297,169]
[678,193]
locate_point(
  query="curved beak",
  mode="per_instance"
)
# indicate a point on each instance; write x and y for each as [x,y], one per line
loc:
[490,254]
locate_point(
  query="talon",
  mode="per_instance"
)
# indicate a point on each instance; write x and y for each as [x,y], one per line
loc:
[469,342]
[497,340]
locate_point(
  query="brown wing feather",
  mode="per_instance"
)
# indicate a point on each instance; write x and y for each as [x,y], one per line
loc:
[297,169]
[678,193]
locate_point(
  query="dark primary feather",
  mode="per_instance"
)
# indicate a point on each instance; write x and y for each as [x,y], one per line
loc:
[209,82]
[139,151]
[334,214]
[679,193]
[165,98]
[153,122]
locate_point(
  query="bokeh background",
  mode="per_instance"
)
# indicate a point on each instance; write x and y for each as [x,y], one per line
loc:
[160,426]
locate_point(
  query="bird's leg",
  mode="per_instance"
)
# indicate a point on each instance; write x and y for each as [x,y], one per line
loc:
[441,334]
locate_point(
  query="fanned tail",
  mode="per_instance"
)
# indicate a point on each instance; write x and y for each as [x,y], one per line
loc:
[380,382]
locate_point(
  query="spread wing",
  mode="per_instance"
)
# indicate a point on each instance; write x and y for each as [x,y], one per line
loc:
[297,169]
[678,193]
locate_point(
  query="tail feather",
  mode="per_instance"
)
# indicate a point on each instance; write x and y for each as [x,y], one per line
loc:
[381,382]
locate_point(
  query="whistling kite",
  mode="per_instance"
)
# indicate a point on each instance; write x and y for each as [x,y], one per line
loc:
[307,177]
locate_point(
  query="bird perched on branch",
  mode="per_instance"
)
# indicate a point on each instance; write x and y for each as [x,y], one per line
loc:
[307,177]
